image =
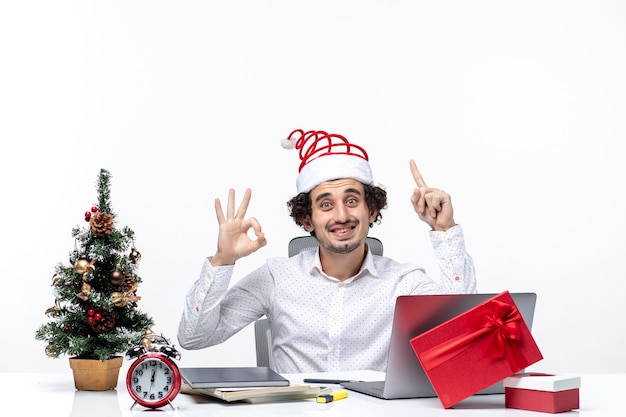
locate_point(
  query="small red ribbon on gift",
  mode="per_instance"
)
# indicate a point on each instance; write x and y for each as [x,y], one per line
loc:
[498,321]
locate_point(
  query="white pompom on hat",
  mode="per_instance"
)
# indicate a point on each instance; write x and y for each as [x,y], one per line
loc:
[325,157]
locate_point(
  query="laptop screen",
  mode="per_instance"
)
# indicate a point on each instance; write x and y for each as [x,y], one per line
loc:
[415,314]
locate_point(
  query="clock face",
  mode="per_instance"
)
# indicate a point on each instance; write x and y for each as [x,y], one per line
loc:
[153,380]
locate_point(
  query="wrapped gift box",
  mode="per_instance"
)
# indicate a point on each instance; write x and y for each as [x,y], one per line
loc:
[476,349]
[542,392]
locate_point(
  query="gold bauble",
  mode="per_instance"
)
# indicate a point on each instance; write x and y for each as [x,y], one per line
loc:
[147,343]
[135,256]
[83,265]
[49,351]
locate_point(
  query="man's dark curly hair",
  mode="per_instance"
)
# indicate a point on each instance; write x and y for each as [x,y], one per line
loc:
[301,208]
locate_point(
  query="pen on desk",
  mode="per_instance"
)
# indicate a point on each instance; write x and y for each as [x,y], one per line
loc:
[325,381]
[333,396]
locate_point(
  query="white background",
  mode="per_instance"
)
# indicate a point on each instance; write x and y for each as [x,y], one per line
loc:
[515,108]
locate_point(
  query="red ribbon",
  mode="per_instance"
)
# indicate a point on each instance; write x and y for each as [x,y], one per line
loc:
[496,320]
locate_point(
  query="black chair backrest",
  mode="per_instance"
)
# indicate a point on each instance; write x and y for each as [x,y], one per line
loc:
[297,244]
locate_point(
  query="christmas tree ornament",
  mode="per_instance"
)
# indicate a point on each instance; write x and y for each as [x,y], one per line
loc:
[135,255]
[130,285]
[147,339]
[57,279]
[84,290]
[88,213]
[117,278]
[147,343]
[50,351]
[101,321]
[83,266]
[56,307]
[120,299]
[74,254]
[101,224]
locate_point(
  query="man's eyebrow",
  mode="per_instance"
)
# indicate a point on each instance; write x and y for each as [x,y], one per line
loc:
[352,191]
[322,196]
[346,191]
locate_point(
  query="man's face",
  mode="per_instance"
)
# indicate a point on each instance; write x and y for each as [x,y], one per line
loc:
[340,217]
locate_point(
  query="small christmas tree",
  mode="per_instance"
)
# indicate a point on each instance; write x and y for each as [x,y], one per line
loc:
[95,312]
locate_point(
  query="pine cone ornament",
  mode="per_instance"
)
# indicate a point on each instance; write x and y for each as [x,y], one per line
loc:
[130,285]
[101,224]
[102,322]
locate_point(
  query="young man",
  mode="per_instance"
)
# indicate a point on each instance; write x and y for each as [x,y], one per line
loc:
[329,309]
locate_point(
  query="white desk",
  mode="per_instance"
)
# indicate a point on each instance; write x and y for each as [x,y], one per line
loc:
[53,394]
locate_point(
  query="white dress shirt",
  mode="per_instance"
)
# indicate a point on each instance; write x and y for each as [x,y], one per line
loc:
[318,323]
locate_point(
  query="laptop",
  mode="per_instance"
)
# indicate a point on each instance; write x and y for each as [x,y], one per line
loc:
[415,314]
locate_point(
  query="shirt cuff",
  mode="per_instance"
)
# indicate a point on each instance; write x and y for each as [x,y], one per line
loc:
[211,274]
[448,244]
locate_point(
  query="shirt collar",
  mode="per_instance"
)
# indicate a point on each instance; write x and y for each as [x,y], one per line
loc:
[368,267]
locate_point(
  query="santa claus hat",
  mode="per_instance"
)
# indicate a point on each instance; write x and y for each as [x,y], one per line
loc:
[327,156]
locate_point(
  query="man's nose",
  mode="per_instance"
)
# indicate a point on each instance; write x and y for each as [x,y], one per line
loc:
[341,214]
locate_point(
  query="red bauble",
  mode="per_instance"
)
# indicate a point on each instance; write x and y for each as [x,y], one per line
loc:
[97,316]
[94,209]
[90,312]
[90,319]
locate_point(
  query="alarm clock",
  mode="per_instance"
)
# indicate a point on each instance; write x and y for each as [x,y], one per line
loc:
[154,379]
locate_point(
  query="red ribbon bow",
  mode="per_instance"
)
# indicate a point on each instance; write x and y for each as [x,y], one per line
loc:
[498,321]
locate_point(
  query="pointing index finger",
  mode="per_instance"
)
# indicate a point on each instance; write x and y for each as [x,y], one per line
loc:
[416,175]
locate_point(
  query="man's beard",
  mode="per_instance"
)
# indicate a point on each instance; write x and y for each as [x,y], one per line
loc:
[343,248]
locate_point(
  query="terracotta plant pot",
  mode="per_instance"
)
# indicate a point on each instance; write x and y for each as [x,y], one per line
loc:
[94,374]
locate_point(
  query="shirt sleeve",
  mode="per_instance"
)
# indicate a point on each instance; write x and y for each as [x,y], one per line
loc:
[456,265]
[213,312]
[201,313]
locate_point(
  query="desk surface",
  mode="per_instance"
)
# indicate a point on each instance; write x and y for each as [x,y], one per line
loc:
[53,394]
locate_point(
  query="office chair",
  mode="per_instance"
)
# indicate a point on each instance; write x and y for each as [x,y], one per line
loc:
[262,333]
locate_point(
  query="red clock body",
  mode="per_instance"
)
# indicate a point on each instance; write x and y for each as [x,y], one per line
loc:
[153,380]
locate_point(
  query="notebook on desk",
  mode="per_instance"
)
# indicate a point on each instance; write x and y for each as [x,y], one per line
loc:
[232,377]
[415,314]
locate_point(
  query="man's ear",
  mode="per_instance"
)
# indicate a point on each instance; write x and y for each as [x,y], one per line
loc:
[373,215]
[307,225]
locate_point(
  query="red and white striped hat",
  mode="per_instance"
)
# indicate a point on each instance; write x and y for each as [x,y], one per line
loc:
[325,157]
